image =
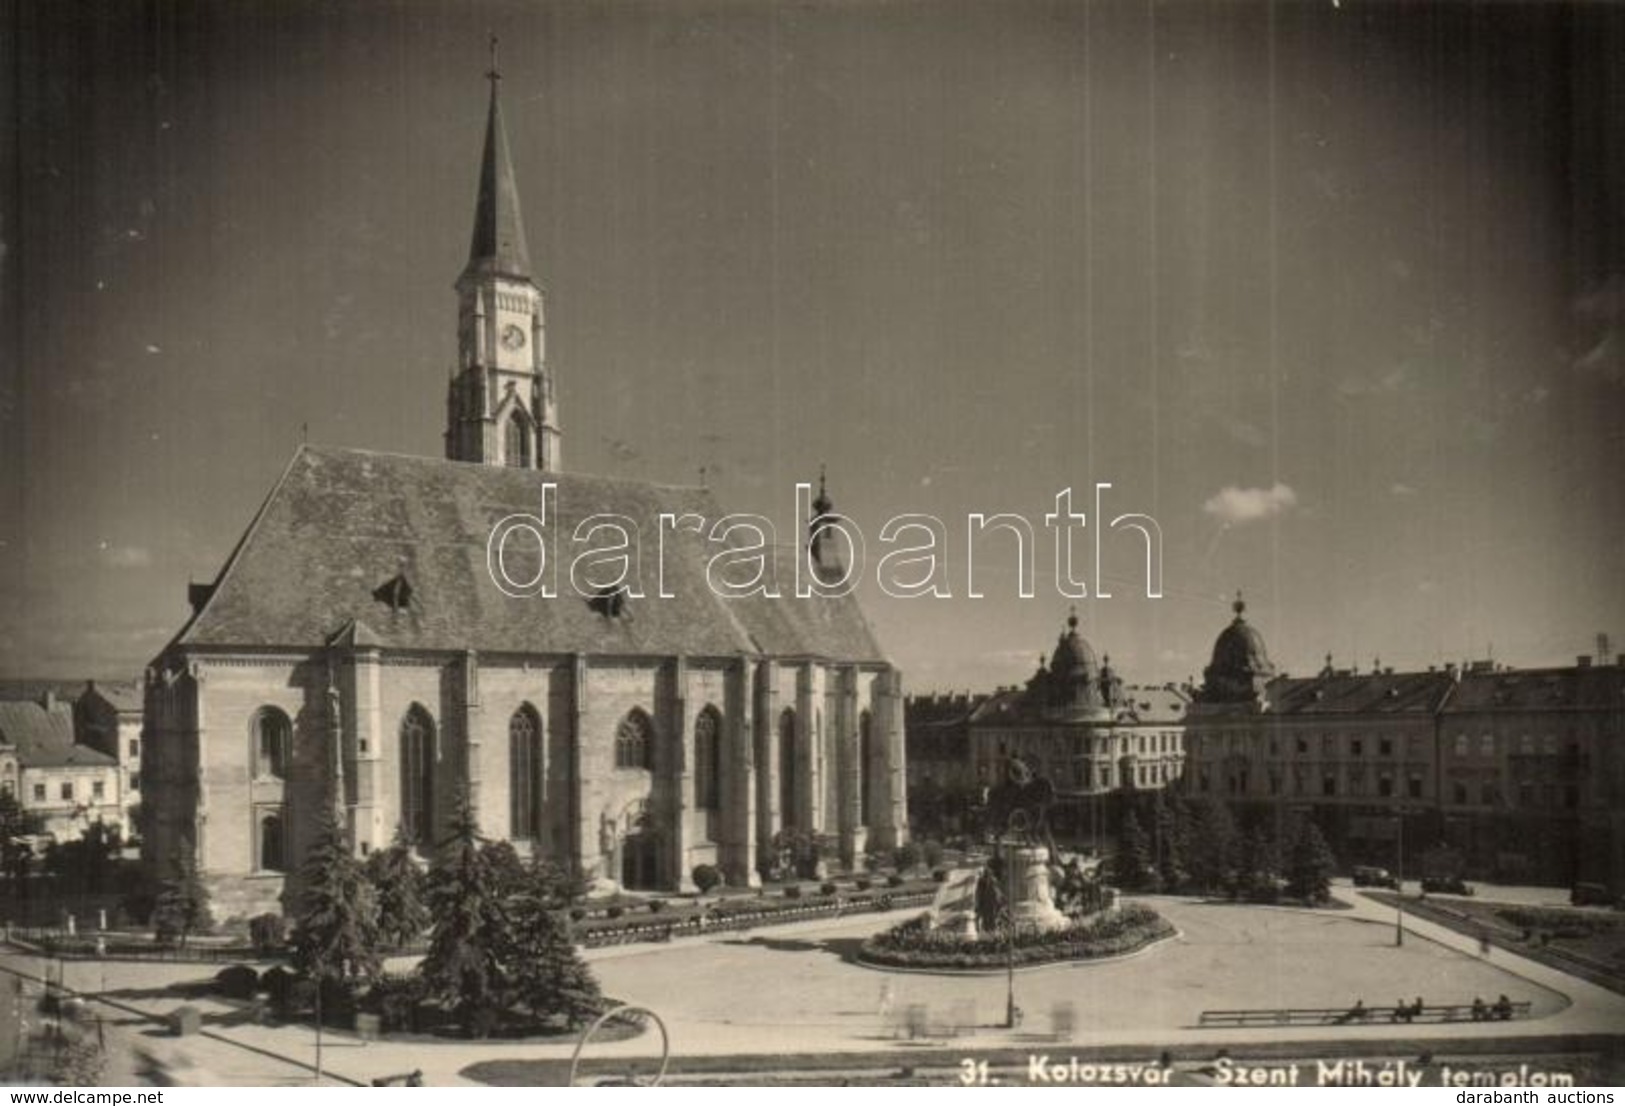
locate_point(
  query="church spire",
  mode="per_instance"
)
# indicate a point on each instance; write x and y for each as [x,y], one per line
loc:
[498,245]
[501,408]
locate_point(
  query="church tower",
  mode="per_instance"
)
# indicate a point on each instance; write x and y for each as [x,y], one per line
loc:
[500,406]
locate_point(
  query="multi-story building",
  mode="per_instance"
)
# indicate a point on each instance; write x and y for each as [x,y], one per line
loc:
[1101,742]
[107,717]
[69,786]
[1518,769]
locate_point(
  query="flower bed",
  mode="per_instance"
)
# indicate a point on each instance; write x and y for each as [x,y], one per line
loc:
[914,944]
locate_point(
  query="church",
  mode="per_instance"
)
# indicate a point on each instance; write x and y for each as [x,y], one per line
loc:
[354,655]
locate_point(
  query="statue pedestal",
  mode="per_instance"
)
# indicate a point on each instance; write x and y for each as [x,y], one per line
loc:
[1032,904]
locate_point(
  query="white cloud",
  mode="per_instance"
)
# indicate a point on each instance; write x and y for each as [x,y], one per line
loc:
[1234,506]
[1404,491]
[125,556]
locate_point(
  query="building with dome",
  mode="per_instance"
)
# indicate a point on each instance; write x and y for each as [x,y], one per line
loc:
[1517,770]
[355,656]
[1099,740]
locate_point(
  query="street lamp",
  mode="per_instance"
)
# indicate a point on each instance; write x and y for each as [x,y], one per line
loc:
[1012,1012]
[1399,877]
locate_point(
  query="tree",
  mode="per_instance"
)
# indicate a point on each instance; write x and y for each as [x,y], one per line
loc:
[1260,865]
[560,885]
[399,885]
[464,967]
[546,972]
[1309,871]
[182,906]
[1212,846]
[1173,861]
[15,824]
[336,934]
[1132,865]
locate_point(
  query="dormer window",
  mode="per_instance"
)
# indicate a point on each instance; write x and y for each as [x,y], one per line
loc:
[394,593]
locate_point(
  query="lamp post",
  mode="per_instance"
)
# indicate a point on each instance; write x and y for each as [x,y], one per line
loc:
[1399,877]
[1012,1012]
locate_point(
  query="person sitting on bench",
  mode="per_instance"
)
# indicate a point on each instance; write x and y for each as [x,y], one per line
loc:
[1480,1011]
[1355,1013]
[1503,1009]
[1402,1012]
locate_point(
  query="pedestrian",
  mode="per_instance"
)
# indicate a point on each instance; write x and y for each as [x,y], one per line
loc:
[1483,942]
[886,1000]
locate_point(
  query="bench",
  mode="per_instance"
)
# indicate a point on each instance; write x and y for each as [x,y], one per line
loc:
[1348,1015]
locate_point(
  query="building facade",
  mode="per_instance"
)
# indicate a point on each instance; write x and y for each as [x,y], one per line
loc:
[1102,743]
[69,786]
[355,655]
[1516,769]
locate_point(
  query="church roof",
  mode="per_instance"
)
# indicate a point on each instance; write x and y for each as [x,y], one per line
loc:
[498,245]
[341,524]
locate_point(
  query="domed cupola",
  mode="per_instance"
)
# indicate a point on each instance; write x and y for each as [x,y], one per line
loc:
[1241,665]
[1074,673]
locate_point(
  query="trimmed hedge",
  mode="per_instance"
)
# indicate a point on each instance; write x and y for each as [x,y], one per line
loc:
[914,944]
[1578,923]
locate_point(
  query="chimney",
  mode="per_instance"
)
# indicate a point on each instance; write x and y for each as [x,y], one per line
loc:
[1583,660]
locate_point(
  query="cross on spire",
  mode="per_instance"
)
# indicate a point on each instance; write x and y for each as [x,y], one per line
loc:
[494,74]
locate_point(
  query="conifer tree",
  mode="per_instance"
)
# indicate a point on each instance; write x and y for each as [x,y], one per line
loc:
[336,935]
[548,974]
[464,966]
[182,905]
[1312,864]
[398,883]
[1132,865]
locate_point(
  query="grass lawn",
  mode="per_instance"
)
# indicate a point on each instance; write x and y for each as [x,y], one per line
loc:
[1595,937]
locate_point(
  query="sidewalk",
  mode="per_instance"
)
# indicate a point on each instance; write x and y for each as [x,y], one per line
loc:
[283,1053]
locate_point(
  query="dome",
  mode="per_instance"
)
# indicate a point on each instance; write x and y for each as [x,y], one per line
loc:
[1241,664]
[1073,655]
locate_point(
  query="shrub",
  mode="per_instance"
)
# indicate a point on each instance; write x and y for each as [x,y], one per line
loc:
[826,889]
[931,853]
[277,982]
[656,905]
[864,884]
[267,932]
[940,875]
[906,857]
[894,880]
[577,914]
[237,981]
[792,892]
[707,877]
[915,944]
[395,999]
[615,911]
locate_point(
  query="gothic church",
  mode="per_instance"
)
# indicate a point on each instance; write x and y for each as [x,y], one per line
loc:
[354,655]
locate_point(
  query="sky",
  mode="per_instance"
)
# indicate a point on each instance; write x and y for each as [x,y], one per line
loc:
[1333,291]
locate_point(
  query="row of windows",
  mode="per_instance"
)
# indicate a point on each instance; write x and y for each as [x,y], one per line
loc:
[635,740]
[66,793]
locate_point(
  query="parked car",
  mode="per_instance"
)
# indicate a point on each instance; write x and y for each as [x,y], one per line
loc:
[1591,894]
[1446,885]
[1365,876]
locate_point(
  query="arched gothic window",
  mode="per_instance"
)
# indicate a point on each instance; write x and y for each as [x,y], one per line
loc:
[272,841]
[788,812]
[516,442]
[866,765]
[525,764]
[708,759]
[273,743]
[417,775]
[634,742]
